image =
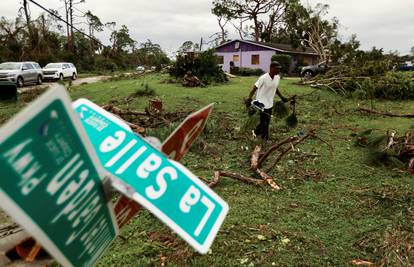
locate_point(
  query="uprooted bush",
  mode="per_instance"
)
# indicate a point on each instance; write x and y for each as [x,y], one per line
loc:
[204,66]
[371,79]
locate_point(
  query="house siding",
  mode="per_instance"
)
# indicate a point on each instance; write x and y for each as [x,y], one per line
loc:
[265,58]
[246,50]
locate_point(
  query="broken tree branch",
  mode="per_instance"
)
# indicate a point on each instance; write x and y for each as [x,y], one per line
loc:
[215,179]
[387,114]
[254,162]
[245,179]
[311,133]
[269,180]
[273,148]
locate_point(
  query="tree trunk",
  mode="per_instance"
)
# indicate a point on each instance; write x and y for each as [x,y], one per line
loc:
[28,22]
[71,41]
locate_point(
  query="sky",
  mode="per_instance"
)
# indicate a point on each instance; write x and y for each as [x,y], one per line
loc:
[387,24]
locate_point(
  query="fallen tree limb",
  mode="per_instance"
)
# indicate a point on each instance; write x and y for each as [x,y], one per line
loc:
[411,166]
[244,179]
[254,161]
[311,133]
[273,148]
[216,179]
[269,180]
[119,111]
[387,114]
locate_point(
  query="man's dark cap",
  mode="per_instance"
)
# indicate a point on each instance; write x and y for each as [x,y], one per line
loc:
[275,64]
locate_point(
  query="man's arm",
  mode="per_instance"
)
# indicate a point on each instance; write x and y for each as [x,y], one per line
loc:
[252,92]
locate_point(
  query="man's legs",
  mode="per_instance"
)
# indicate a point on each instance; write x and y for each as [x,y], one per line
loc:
[259,129]
[263,128]
[265,118]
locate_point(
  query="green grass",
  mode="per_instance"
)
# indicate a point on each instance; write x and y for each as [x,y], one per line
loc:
[349,211]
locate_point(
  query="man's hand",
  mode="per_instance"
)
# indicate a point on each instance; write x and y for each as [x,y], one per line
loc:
[248,102]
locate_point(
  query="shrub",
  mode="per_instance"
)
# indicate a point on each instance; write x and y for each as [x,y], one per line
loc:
[249,72]
[145,90]
[285,61]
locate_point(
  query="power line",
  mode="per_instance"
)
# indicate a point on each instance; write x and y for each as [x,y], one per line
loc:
[67,23]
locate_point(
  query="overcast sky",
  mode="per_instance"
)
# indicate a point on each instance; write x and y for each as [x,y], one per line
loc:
[383,23]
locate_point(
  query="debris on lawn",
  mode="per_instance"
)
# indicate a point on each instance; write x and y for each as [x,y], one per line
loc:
[362,263]
[386,114]
[152,117]
[388,149]
[245,179]
[180,254]
[190,80]
[258,158]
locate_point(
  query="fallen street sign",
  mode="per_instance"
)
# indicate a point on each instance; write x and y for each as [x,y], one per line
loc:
[164,187]
[51,184]
[180,141]
[125,210]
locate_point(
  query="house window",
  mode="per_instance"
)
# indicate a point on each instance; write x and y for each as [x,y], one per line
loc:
[236,58]
[255,59]
[220,60]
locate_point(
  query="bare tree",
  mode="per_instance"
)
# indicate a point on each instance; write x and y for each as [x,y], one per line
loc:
[320,33]
[264,15]
[69,6]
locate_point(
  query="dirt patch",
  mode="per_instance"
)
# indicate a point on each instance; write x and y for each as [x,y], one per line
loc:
[28,96]
[180,254]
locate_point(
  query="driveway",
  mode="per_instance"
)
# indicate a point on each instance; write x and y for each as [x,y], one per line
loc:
[77,82]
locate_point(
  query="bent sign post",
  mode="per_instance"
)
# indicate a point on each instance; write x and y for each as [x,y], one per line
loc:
[50,183]
[164,187]
[180,141]
[176,145]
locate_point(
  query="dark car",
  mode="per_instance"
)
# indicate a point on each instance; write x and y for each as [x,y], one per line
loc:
[406,67]
[313,70]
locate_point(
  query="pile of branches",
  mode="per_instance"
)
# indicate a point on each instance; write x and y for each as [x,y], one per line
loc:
[140,120]
[389,149]
[259,158]
[368,81]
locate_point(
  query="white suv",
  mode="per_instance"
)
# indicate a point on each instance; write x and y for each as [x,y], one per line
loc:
[60,71]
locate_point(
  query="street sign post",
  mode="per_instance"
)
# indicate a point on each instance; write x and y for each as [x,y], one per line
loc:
[180,141]
[164,187]
[50,182]
[176,145]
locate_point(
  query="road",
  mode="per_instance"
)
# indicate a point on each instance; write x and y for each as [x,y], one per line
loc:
[77,82]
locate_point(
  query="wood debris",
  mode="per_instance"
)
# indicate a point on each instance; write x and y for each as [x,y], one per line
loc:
[152,117]
[258,158]
[386,114]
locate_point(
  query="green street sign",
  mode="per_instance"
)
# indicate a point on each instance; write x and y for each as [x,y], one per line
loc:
[164,187]
[50,183]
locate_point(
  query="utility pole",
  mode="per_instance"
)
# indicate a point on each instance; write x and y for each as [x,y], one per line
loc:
[29,26]
[71,41]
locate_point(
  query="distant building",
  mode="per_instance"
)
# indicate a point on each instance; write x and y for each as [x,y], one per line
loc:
[258,55]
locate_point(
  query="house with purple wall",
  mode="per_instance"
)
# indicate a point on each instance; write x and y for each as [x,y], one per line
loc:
[258,55]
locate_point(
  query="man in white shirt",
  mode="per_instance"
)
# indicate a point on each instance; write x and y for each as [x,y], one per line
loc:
[266,87]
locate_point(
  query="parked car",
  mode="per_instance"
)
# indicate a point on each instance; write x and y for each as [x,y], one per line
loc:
[60,71]
[313,70]
[21,73]
[407,66]
[140,69]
